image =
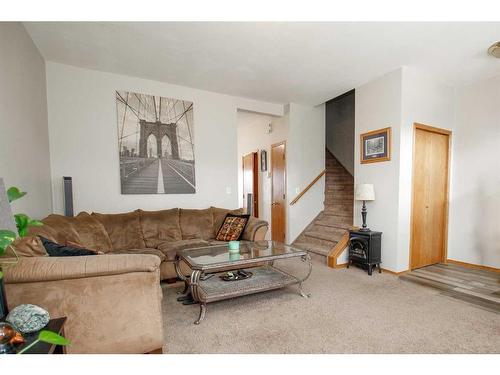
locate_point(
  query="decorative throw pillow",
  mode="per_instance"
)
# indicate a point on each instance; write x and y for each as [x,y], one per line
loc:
[78,245]
[232,228]
[56,250]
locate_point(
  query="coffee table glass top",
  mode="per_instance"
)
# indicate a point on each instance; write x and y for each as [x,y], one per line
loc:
[250,252]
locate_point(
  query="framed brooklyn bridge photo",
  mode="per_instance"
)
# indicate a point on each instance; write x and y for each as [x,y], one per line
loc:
[156,143]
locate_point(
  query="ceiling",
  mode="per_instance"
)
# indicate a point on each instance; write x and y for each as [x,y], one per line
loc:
[298,62]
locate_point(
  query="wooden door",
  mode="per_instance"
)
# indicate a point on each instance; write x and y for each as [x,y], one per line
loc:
[430,196]
[251,182]
[278,192]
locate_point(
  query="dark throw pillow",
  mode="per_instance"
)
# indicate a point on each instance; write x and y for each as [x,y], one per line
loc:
[56,250]
[232,227]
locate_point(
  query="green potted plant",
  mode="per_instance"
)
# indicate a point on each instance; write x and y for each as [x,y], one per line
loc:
[7,237]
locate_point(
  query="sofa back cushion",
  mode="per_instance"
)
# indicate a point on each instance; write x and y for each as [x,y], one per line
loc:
[82,229]
[160,226]
[29,246]
[57,228]
[196,224]
[91,233]
[219,214]
[124,230]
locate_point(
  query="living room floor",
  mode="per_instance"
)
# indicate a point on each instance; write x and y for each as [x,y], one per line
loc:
[348,312]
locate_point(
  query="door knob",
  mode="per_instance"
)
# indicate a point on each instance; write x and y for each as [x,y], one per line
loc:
[274,203]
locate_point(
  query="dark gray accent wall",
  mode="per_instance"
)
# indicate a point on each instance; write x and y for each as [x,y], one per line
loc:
[340,129]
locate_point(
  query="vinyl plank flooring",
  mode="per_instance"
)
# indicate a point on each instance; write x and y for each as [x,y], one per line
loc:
[492,279]
[481,288]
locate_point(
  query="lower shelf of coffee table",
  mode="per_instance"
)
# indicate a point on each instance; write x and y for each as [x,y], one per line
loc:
[263,279]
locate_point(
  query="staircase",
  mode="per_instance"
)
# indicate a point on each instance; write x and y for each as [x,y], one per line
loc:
[330,227]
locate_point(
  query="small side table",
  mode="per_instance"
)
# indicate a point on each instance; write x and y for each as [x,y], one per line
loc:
[54,325]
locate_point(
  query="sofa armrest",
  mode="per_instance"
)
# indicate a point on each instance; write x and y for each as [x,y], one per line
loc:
[255,230]
[34,269]
[113,302]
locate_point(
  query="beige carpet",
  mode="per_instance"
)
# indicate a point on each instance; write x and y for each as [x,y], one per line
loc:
[348,312]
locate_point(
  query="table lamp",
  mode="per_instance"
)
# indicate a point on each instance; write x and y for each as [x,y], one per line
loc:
[364,192]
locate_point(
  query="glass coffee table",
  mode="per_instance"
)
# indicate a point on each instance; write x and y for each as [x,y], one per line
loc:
[208,263]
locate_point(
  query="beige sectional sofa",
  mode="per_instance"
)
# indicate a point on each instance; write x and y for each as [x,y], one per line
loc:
[112,300]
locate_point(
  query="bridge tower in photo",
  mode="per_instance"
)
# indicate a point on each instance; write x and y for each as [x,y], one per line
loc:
[159,130]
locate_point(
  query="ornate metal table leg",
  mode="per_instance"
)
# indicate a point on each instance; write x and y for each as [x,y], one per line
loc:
[193,283]
[203,310]
[301,292]
[306,258]
[180,275]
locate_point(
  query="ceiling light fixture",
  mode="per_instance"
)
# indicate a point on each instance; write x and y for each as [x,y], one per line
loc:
[494,50]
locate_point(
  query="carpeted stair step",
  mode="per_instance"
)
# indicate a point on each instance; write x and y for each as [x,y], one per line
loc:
[341,205]
[335,233]
[335,189]
[324,232]
[335,219]
[333,224]
[322,236]
[318,241]
[337,179]
[313,248]
[334,211]
[338,206]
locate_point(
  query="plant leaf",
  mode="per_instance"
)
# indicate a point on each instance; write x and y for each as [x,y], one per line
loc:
[14,193]
[22,221]
[6,238]
[34,223]
[52,338]
[1,275]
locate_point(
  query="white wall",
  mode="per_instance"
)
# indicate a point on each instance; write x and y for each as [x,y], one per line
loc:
[253,136]
[474,230]
[398,99]
[378,105]
[83,140]
[24,141]
[305,154]
[428,102]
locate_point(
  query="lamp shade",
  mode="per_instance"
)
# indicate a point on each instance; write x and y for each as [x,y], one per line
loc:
[364,192]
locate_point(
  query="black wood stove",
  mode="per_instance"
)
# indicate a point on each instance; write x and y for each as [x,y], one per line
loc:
[365,249]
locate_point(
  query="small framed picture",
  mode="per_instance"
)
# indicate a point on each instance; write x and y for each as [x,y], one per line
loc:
[375,146]
[263,161]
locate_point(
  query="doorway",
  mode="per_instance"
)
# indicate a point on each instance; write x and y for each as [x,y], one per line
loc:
[429,219]
[278,191]
[251,184]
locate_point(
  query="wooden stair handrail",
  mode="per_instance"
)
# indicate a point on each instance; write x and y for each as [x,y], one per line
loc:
[295,200]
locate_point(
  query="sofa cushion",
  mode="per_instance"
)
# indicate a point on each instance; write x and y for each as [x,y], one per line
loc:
[124,230]
[82,229]
[219,214]
[149,251]
[56,228]
[160,226]
[196,224]
[91,233]
[170,248]
[29,246]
